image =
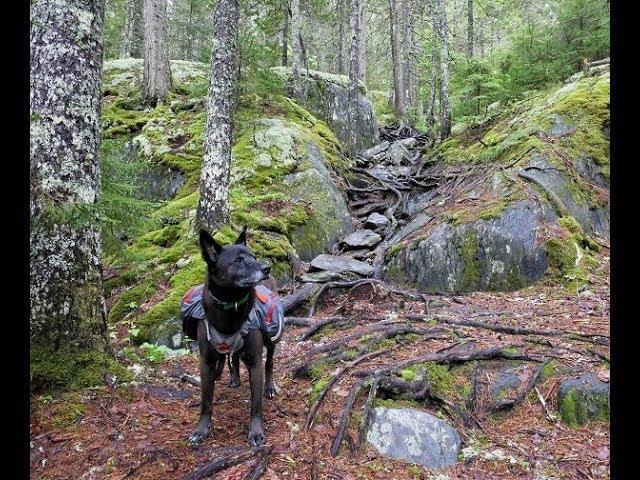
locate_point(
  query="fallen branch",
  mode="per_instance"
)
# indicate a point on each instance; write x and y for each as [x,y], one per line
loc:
[260,467]
[299,296]
[507,403]
[236,457]
[346,415]
[550,415]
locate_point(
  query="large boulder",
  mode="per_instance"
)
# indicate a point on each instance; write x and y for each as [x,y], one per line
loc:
[494,254]
[326,97]
[414,436]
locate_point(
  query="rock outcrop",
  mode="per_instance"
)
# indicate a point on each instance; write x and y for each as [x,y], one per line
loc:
[326,97]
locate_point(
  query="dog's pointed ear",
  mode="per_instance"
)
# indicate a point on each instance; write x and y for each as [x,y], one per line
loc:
[242,238]
[209,247]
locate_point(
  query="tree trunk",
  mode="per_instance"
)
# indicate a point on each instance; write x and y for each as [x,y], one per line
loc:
[469,28]
[285,33]
[431,104]
[303,54]
[360,40]
[445,107]
[408,68]
[213,209]
[354,71]
[396,59]
[295,48]
[342,15]
[133,35]
[66,297]
[156,72]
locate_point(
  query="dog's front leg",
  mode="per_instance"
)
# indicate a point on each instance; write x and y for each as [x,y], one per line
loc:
[253,360]
[234,382]
[269,384]
[207,385]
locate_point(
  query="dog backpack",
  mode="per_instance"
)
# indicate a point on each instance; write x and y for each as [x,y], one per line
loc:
[267,313]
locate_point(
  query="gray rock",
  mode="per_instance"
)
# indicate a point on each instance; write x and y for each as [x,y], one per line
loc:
[323,276]
[556,183]
[167,333]
[331,219]
[358,254]
[506,383]
[340,264]
[590,171]
[362,238]
[498,254]
[156,182]
[559,127]
[376,221]
[375,150]
[399,150]
[327,97]
[583,399]
[414,436]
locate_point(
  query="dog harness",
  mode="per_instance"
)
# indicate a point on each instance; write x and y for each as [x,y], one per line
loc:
[266,315]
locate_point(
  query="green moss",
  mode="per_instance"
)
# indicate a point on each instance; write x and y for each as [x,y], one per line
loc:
[384,112]
[130,300]
[60,370]
[472,266]
[573,410]
[548,370]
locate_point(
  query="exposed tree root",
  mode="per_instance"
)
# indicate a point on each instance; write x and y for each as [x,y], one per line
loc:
[236,456]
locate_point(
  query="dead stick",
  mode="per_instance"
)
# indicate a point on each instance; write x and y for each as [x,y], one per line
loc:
[346,414]
[238,456]
[260,467]
[550,416]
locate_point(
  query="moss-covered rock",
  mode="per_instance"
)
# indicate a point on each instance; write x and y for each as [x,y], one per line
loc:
[583,399]
[533,165]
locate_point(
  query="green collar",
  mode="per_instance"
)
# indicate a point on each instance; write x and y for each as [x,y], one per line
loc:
[230,305]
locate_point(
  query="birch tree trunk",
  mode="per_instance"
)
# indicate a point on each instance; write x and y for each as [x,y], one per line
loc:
[66,297]
[295,48]
[396,59]
[342,15]
[470,28]
[285,33]
[354,71]
[213,209]
[156,72]
[133,38]
[445,107]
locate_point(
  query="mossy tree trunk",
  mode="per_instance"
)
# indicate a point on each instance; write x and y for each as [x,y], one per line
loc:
[470,28]
[285,33]
[156,72]
[133,37]
[445,106]
[341,12]
[296,54]
[213,209]
[66,296]
[431,104]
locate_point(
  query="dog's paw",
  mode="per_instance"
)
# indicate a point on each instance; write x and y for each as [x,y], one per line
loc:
[234,382]
[198,436]
[256,436]
[270,390]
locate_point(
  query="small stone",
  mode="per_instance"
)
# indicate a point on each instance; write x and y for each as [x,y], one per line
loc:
[376,221]
[183,261]
[340,264]
[362,238]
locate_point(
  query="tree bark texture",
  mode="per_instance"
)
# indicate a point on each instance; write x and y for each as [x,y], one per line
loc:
[66,297]
[296,56]
[285,33]
[133,30]
[360,39]
[213,209]
[342,16]
[156,72]
[445,107]
[396,59]
[469,28]
[354,71]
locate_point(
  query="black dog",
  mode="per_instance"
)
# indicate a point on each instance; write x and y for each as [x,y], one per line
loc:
[227,299]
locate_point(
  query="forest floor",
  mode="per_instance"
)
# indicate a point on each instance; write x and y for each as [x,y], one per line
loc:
[139,430]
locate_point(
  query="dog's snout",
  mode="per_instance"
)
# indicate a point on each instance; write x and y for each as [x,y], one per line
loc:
[266,269]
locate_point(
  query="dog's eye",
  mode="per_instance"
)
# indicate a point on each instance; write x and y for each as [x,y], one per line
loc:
[239,259]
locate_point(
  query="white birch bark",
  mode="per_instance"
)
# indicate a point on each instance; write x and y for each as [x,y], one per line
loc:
[213,209]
